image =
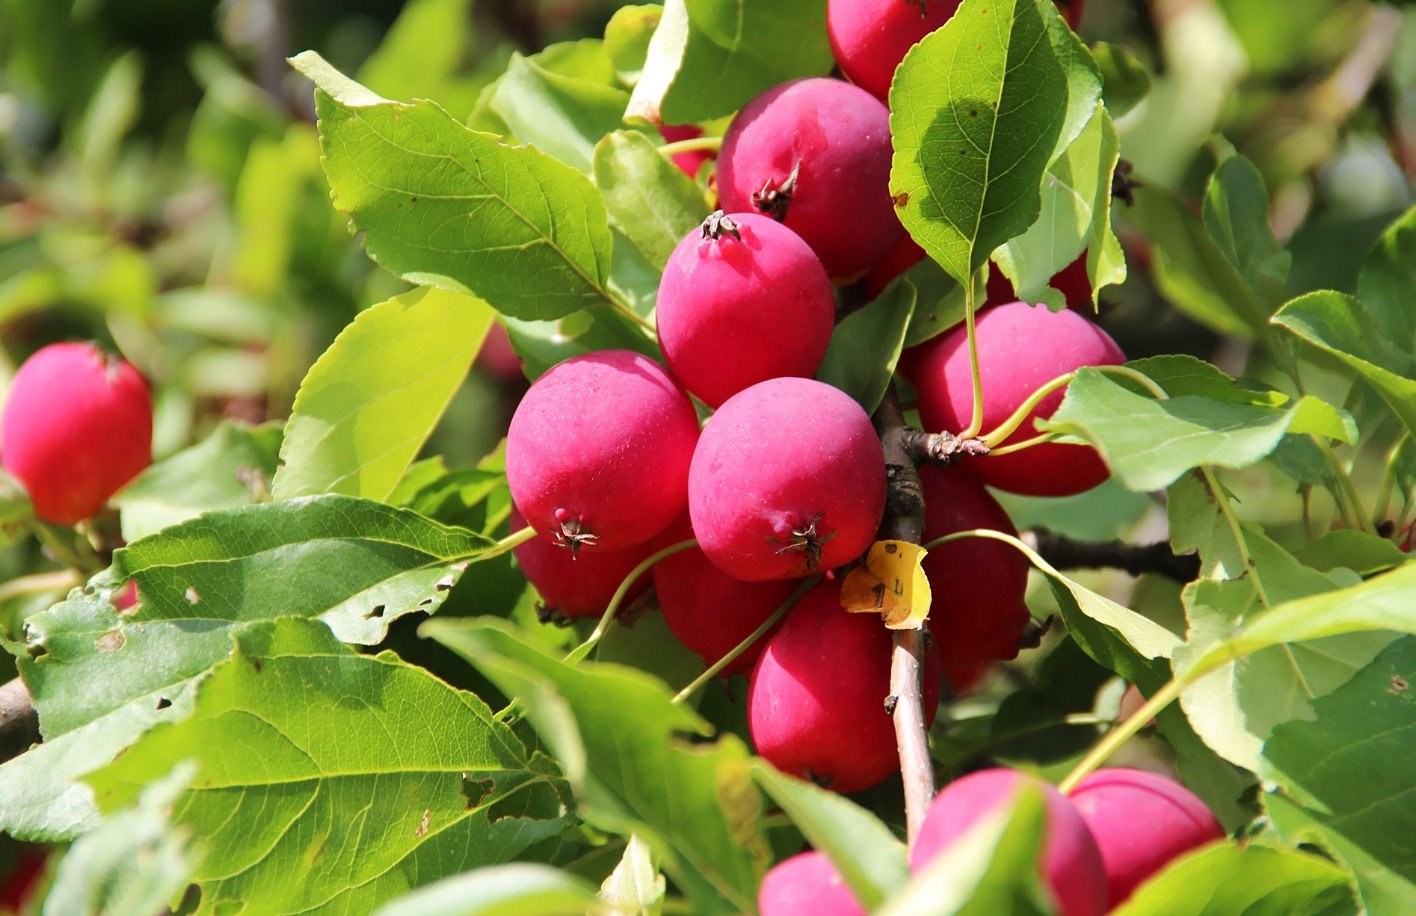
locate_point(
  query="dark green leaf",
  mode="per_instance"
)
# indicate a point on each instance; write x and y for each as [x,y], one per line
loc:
[1125,82]
[367,406]
[450,207]
[359,565]
[616,734]
[1388,281]
[979,109]
[1236,215]
[708,58]
[865,346]
[379,779]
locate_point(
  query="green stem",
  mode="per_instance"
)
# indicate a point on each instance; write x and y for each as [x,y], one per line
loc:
[970,297]
[1144,380]
[1020,416]
[510,542]
[630,314]
[693,145]
[1388,487]
[576,655]
[1235,528]
[1012,447]
[84,561]
[1112,740]
[1349,501]
[40,583]
[716,668]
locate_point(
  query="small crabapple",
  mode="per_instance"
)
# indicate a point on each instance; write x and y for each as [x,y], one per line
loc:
[1020,348]
[77,426]
[788,478]
[979,585]
[815,154]
[689,162]
[807,884]
[598,451]
[1070,865]
[578,584]
[742,300]
[1141,821]
[816,701]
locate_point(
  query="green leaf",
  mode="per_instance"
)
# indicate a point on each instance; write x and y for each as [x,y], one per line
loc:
[1347,769]
[979,109]
[1191,271]
[1358,551]
[1338,325]
[367,406]
[865,346]
[453,208]
[868,856]
[358,565]
[1125,82]
[710,57]
[517,889]
[421,55]
[939,301]
[1150,443]
[635,886]
[650,201]
[991,869]
[134,863]
[1144,636]
[1387,281]
[1236,215]
[559,115]
[1076,214]
[379,779]
[627,37]
[542,344]
[1224,879]
[613,730]
[229,468]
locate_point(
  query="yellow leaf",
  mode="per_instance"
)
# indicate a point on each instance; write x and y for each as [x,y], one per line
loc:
[891,583]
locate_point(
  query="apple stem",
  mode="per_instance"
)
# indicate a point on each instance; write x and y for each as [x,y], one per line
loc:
[577,654]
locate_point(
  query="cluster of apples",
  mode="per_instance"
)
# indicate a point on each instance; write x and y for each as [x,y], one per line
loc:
[605,458]
[1101,842]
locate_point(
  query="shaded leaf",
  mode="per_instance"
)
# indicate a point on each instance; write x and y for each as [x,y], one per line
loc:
[1125,82]
[1223,879]
[866,345]
[1236,215]
[650,201]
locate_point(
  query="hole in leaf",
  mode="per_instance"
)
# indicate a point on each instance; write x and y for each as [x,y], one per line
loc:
[376,611]
[476,790]
[163,702]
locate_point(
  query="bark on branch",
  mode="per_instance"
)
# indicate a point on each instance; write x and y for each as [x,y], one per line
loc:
[904,521]
[19,723]
[1065,553]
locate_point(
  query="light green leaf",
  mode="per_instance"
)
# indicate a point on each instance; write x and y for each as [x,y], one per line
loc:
[358,565]
[229,468]
[542,344]
[517,889]
[1076,214]
[134,863]
[1125,82]
[421,55]
[612,729]
[635,886]
[1236,215]
[627,37]
[369,403]
[868,856]
[1358,551]
[650,201]
[1191,271]
[1149,443]
[1338,325]
[453,208]
[559,115]
[379,779]
[979,109]
[708,58]
[1347,772]
[865,346]
[991,869]
[1223,879]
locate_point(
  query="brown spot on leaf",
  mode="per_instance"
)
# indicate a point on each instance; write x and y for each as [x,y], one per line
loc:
[1399,685]
[112,641]
[423,824]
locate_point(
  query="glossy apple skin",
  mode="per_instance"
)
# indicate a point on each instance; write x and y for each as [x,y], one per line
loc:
[1070,865]
[602,441]
[807,884]
[710,612]
[1020,348]
[786,455]
[837,137]
[77,426]
[869,38]
[816,701]
[581,584]
[979,585]
[743,308]
[1141,822]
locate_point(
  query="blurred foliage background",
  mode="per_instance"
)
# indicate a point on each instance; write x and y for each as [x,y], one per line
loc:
[161,192]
